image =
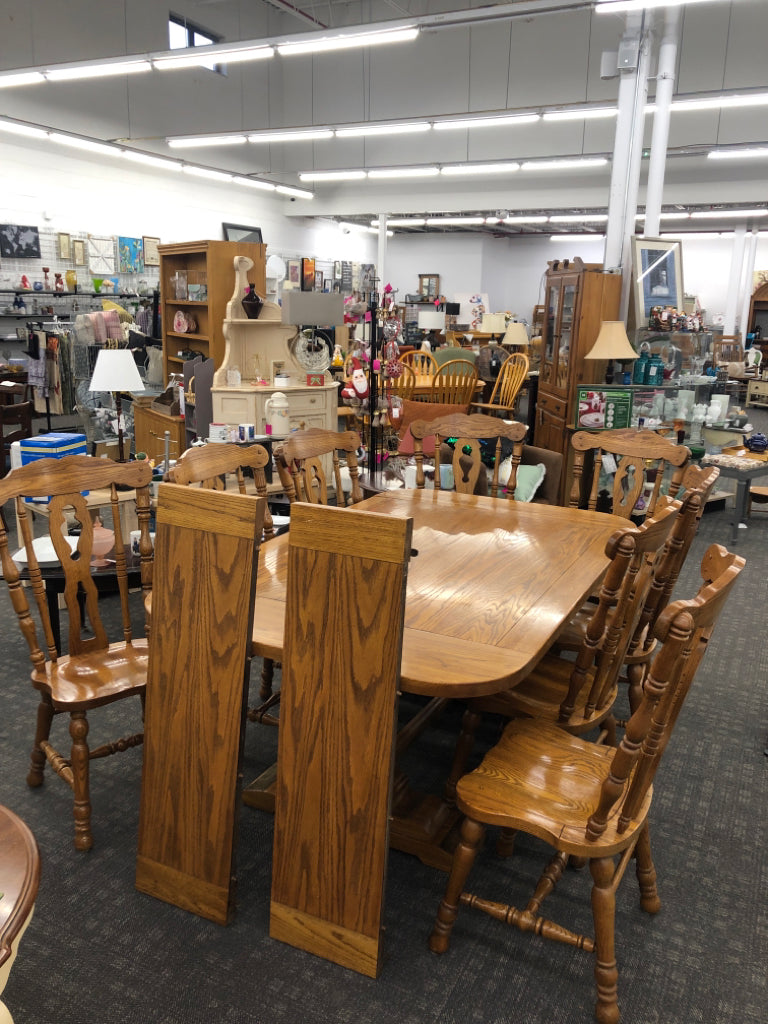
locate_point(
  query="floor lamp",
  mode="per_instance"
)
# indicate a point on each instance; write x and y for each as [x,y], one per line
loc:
[116,371]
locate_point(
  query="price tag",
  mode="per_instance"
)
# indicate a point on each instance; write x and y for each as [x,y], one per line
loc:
[609,463]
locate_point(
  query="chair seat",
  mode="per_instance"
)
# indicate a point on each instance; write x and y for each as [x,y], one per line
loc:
[92,680]
[554,799]
[541,694]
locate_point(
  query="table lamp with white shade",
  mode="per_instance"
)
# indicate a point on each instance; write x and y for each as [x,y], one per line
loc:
[516,336]
[431,320]
[612,345]
[493,323]
[116,371]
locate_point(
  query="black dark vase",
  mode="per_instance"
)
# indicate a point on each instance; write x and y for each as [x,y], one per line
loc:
[252,303]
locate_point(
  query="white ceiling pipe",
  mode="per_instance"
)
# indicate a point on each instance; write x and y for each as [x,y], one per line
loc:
[737,261]
[665,87]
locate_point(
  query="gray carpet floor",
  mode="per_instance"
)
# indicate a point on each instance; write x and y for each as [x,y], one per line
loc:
[99,952]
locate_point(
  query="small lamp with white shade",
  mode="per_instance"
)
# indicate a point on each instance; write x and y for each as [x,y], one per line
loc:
[429,321]
[516,335]
[115,371]
[612,345]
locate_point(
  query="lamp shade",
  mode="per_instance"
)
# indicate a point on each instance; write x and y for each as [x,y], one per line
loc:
[493,323]
[612,343]
[431,321]
[516,335]
[115,370]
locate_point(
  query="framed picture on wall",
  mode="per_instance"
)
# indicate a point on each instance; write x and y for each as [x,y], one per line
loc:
[241,233]
[318,280]
[151,252]
[294,271]
[307,274]
[657,275]
[19,241]
[78,252]
[65,245]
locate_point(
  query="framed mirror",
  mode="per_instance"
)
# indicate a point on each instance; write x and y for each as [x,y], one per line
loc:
[429,286]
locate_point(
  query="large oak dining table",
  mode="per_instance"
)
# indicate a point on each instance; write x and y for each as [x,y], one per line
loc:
[491,583]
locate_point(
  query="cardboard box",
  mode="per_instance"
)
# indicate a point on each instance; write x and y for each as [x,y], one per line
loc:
[51,446]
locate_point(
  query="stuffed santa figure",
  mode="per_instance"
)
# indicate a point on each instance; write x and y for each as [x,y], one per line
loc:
[356,389]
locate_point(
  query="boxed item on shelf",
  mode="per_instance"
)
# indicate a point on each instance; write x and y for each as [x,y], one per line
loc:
[51,446]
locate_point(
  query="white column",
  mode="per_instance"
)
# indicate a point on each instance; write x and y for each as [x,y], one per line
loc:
[746,285]
[665,87]
[732,301]
[381,258]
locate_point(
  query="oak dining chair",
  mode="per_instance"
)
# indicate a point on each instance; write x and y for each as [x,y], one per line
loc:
[639,457]
[95,671]
[15,425]
[423,364]
[511,378]
[299,460]
[454,383]
[586,801]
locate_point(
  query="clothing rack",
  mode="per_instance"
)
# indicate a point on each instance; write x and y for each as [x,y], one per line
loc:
[54,326]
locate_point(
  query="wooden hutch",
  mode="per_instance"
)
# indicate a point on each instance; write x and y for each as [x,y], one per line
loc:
[578,297]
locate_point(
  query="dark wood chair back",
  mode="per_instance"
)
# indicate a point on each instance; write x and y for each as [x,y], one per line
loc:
[511,378]
[466,463]
[640,456]
[95,670]
[15,425]
[299,461]
[199,659]
[341,658]
[209,465]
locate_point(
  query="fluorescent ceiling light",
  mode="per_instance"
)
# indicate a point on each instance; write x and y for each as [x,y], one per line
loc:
[347,41]
[384,129]
[492,220]
[721,214]
[676,215]
[405,172]
[577,238]
[22,129]
[130,67]
[621,6]
[749,153]
[152,161]
[77,143]
[506,168]
[486,122]
[584,114]
[436,222]
[190,141]
[265,186]
[298,193]
[402,222]
[349,226]
[579,218]
[206,172]
[203,56]
[332,175]
[755,99]
[289,136]
[20,78]
[522,219]
[557,165]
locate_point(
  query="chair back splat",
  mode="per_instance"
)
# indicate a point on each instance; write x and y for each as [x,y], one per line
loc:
[512,374]
[299,461]
[641,457]
[335,766]
[207,556]
[454,383]
[93,671]
[586,800]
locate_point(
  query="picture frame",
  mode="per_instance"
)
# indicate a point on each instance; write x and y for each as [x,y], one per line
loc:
[429,286]
[151,252]
[130,254]
[307,274]
[101,254]
[19,241]
[78,252]
[657,275]
[337,270]
[293,271]
[242,233]
[64,242]
[318,280]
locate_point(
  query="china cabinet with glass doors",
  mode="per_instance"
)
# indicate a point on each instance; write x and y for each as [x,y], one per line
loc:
[578,297]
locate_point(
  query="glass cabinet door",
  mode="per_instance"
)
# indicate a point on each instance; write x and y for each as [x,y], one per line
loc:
[565,333]
[549,349]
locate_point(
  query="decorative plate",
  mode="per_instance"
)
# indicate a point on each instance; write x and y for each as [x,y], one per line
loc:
[311,351]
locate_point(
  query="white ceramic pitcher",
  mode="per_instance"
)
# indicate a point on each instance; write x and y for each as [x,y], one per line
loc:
[277,415]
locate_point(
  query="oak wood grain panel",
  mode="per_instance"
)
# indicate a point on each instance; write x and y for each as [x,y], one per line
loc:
[204,585]
[489,586]
[341,659]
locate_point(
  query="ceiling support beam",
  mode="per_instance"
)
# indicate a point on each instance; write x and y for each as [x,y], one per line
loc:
[665,87]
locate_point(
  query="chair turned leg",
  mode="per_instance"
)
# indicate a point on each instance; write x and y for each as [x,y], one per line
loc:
[505,844]
[78,730]
[267,673]
[646,873]
[472,833]
[470,723]
[603,913]
[42,732]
